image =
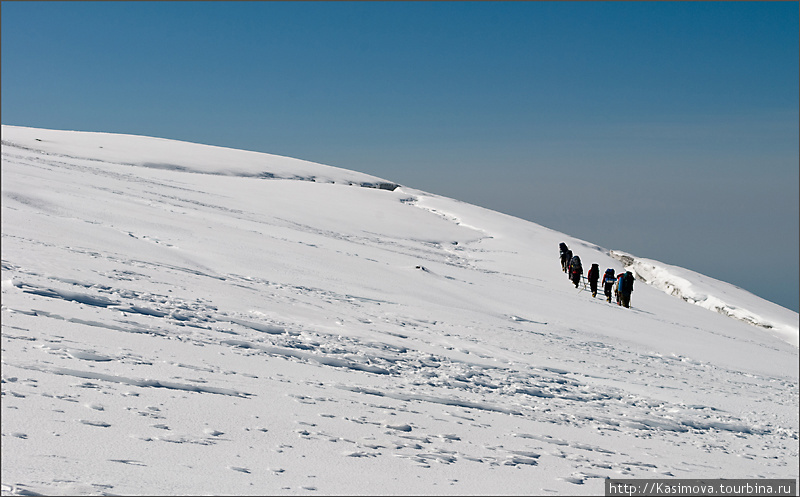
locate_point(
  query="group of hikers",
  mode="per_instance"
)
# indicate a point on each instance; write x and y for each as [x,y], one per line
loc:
[621,284]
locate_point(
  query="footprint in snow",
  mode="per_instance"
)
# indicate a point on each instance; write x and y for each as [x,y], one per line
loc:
[129,461]
[87,356]
[100,424]
[399,427]
[450,437]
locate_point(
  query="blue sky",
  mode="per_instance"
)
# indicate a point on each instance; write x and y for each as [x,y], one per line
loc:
[665,129]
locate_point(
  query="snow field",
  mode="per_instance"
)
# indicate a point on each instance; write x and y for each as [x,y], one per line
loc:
[231,322]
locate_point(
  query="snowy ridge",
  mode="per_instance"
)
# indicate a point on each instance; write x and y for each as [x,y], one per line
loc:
[237,323]
[171,155]
[715,295]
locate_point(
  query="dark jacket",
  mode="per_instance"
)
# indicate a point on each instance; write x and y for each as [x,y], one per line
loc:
[626,285]
[575,265]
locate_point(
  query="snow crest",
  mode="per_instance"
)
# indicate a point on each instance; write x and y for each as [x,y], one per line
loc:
[700,290]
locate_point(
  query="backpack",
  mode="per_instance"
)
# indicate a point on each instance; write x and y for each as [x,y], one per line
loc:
[627,283]
[575,264]
[609,276]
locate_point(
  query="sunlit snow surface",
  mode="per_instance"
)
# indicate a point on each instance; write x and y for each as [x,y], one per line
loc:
[714,295]
[186,319]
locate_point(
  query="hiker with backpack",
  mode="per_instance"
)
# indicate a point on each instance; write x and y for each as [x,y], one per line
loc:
[593,275]
[563,252]
[626,288]
[617,287]
[608,283]
[575,270]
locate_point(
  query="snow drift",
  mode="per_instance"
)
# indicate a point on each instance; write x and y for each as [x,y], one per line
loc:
[709,293]
[185,319]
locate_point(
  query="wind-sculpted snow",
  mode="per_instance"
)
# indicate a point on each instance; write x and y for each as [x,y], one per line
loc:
[714,295]
[145,383]
[169,332]
[156,153]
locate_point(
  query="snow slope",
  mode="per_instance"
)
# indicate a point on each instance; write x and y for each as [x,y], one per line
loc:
[186,319]
[714,295]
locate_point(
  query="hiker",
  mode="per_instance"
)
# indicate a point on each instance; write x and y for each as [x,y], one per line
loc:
[562,252]
[575,270]
[593,275]
[608,283]
[617,287]
[625,288]
[568,259]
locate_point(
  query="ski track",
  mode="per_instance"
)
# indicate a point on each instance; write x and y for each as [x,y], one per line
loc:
[86,338]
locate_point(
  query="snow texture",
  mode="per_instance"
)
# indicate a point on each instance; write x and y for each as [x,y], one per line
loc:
[714,295]
[186,319]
